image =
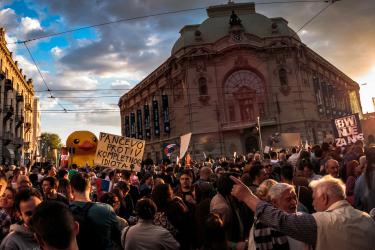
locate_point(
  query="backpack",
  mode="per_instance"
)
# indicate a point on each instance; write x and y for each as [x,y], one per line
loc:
[88,237]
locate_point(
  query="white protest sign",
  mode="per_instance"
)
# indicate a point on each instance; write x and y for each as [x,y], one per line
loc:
[119,152]
[290,139]
[347,130]
[185,140]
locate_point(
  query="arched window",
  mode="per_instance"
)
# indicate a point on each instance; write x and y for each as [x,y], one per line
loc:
[246,89]
[283,76]
[202,85]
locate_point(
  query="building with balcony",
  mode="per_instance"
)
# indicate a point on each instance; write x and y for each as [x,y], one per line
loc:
[222,74]
[16,111]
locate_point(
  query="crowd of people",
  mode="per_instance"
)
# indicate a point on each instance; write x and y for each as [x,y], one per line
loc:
[319,198]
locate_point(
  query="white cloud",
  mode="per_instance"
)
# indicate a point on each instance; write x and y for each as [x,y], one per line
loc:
[118,83]
[29,69]
[30,24]
[12,46]
[83,42]
[153,40]
[8,18]
[56,51]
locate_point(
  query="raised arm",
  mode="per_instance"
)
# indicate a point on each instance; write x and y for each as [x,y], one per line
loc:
[302,227]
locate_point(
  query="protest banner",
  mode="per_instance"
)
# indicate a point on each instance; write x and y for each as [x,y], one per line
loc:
[185,140]
[347,130]
[119,152]
[290,139]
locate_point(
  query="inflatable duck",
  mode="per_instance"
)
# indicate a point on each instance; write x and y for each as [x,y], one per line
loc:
[82,148]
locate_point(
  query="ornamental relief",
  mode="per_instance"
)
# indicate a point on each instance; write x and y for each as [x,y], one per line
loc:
[200,66]
[241,62]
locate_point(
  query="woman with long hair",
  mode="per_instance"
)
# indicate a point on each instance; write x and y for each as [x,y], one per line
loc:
[214,232]
[353,171]
[364,190]
[173,215]
[7,211]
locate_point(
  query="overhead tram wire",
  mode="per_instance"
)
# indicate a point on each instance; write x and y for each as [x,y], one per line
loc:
[317,14]
[153,15]
[41,75]
[331,2]
[128,19]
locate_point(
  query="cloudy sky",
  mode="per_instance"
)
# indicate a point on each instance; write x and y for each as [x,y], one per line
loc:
[119,55]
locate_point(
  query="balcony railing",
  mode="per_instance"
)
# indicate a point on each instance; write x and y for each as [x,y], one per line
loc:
[8,111]
[19,120]
[27,125]
[233,125]
[28,107]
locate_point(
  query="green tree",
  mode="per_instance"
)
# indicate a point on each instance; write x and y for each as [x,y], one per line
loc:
[49,142]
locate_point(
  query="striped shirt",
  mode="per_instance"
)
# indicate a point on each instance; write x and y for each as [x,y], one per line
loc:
[299,226]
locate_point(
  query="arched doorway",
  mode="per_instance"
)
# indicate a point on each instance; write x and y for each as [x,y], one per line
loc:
[251,144]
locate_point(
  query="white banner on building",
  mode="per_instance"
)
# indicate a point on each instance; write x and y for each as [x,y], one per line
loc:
[185,140]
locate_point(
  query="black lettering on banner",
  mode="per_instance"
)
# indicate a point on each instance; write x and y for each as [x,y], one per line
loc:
[119,152]
[107,138]
[140,145]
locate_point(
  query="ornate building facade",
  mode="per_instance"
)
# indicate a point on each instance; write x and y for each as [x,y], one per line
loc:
[224,73]
[16,106]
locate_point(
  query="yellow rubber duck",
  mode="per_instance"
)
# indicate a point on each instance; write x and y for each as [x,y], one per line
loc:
[82,148]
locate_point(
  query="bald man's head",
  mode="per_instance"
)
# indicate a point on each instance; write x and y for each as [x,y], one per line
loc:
[332,168]
[205,173]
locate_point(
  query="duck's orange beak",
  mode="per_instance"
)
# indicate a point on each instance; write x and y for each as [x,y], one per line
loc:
[86,145]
